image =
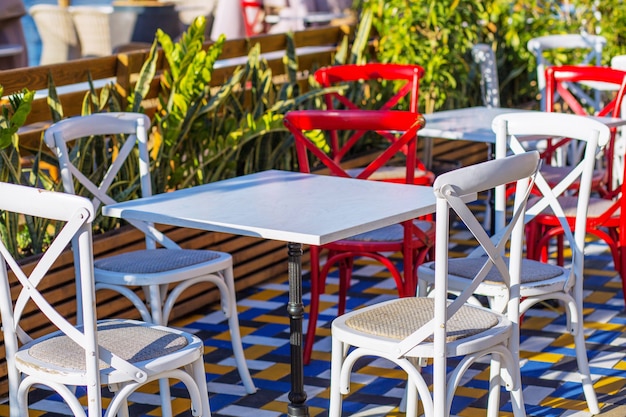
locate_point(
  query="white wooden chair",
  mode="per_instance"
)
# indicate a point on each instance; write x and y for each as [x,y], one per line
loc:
[406,330]
[164,273]
[483,55]
[541,281]
[591,44]
[59,40]
[124,354]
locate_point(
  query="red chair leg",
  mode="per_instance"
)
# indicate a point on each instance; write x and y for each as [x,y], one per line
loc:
[621,268]
[317,287]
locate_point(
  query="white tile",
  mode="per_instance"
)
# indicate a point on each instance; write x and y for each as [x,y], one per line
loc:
[533,394]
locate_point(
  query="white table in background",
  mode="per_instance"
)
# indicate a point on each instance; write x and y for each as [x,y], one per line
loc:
[286,206]
[474,124]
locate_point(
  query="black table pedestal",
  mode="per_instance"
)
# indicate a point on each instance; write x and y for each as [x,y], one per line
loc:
[295,308]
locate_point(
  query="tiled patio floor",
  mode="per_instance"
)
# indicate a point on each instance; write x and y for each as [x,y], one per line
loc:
[551,388]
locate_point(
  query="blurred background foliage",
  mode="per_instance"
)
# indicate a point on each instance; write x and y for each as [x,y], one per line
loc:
[439,34]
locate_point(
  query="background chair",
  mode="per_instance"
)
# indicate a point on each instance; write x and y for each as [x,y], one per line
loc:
[59,41]
[123,354]
[591,47]
[102,30]
[541,281]
[412,239]
[163,273]
[604,215]
[559,153]
[401,81]
[409,329]
[483,55]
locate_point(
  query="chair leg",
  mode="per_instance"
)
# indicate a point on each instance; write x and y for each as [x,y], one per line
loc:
[495,383]
[200,377]
[585,373]
[582,360]
[235,333]
[338,355]
[621,267]
[316,289]
[411,398]
[166,399]
[156,309]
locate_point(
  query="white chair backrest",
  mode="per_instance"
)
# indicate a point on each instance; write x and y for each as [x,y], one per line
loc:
[484,56]
[94,29]
[126,129]
[76,213]
[594,44]
[453,190]
[102,29]
[59,40]
[510,130]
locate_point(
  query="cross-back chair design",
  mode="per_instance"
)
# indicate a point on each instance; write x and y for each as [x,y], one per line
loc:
[483,55]
[541,281]
[562,152]
[349,80]
[604,221]
[163,272]
[123,354]
[412,239]
[408,330]
[591,47]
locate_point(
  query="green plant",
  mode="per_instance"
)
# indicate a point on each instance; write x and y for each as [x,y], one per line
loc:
[21,235]
[202,134]
[438,35]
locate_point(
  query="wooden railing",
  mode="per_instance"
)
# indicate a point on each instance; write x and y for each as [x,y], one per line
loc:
[315,47]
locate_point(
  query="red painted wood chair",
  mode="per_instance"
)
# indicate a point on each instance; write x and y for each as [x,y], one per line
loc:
[604,220]
[353,78]
[413,239]
[561,154]
[253,15]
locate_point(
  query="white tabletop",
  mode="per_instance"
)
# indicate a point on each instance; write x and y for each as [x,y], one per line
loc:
[474,123]
[285,206]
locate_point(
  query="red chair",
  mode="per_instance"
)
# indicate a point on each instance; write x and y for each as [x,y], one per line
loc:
[559,80]
[253,15]
[403,80]
[603,219]
[413,239]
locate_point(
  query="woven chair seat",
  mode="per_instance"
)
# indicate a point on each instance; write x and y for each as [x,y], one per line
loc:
[532,271]
[554,174]
[391,173]
[399,319]
[395,232]
[151,261]
[597,206]
[132,342]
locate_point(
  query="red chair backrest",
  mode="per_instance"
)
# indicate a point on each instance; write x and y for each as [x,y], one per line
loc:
[408,77]
[557,79]
[252,14]
[380,121]
[410,74]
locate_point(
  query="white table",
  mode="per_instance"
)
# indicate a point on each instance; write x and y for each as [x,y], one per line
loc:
[290,207]
[474,124]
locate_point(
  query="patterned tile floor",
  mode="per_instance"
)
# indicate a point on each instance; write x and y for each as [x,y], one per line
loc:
[551,389]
